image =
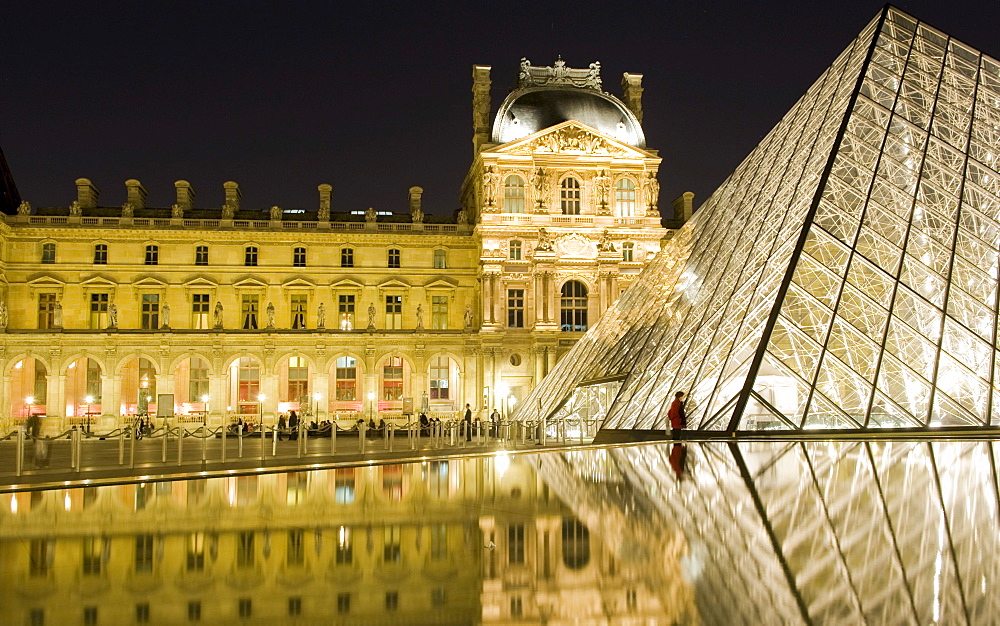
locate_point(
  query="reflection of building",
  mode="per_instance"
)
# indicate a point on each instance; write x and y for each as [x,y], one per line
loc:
[213,311]
[845,275]
[403,543]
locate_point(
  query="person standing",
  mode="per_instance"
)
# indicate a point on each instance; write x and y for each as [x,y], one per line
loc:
[468,423]
[281,426]
[293,424]
[678,420]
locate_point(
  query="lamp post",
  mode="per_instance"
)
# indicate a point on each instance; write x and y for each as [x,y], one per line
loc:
[29,401]
[260,412]
[143,386]
[371,405]
[317,396]
[86,413]
[503,390]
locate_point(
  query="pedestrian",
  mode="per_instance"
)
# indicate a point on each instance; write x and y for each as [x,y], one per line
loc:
[494,423]
[281,426]
[678,421]
[425,424]
[468,423]
[293,423]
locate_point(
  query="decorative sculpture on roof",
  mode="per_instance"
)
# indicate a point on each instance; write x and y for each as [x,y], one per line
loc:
[544,241]
[228,211]
[559,74]
[165,317]
[420,317]
[417,216]
[370,215]
[275,214]
[463,217]
[24,208]
[75,209]
[467,318]
[176,211]
[371,316]
[112,315]
[128,209]
[605,244]
[3,313]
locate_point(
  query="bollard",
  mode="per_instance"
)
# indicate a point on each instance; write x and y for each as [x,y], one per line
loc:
[240,435]
[274,442]
[180,444]
[385,437]
[361,437]
[204,444]
[544,435]
[392,436]
[263,441]
[305,441]
[75,456]
[333,436]
[223,429]
[412,433]
[163,443]
[131,449]
[121,446]
[19,453]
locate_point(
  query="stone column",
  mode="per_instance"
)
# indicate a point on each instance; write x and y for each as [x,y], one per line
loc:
[55,403]
[165,385]
[321,385]
[269,387]
[218,398]
[5,402]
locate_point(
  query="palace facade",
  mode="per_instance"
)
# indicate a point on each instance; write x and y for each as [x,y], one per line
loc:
[202,314]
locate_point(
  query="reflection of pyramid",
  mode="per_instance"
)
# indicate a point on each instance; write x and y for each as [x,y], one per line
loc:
[844,276]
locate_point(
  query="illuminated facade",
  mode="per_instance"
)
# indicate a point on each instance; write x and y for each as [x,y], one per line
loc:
[206,313]
[843,277]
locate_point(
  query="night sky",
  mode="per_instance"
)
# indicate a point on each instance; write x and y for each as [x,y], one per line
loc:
[376,98]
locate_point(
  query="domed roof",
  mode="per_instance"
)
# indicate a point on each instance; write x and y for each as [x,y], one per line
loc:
[547,96]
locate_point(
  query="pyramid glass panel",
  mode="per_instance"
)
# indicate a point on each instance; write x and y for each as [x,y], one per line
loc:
[844,276]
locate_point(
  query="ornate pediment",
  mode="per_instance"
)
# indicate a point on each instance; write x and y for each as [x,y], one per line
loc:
[348,283]
[570,137]
[299,283]
[250,282]
[575,246]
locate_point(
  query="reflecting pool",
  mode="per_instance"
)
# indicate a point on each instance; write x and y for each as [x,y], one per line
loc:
[710,533]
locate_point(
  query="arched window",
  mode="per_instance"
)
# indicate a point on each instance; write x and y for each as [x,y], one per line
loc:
[515,250]
[569,196]
[625,198]
[392,379]
[628,252]
[347,378]
[440,375]
[573,314]
[513,194]
[248,379]
[298,380]
[575,543]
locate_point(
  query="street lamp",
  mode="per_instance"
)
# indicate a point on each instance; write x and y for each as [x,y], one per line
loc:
[503,390]
[260,407]
[30,400]
[86,414]
[317,397]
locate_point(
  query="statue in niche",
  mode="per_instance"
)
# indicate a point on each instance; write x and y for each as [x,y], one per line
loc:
[468,316]
[57,315]
[165,316]
[491,184]
[602,183]
[112,315]
[128,209]
[228,211]
[176,211]
[217,314]
[371,316]
[606,245]
[652,190]
[544,241]
[75,209]
[270,315]
[370,215]
[420,316]
[24,208]
[3,313]
[275,214]
[321,316]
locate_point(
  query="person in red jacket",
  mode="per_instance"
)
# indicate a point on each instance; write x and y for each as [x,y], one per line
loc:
[678,421]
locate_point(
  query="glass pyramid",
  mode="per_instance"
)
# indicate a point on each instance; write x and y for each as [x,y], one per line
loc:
[843,277]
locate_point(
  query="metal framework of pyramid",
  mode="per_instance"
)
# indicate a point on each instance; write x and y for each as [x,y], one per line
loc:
[843,277]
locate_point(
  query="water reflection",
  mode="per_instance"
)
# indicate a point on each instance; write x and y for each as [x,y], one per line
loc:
[713,533]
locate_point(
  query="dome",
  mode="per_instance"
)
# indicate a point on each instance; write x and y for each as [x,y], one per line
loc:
[532,109]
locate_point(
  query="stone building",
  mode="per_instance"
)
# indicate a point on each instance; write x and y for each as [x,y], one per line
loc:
[202,313]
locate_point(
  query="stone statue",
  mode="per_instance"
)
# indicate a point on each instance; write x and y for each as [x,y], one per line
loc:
[3,314]
[524,75]
[468,316]
[57,315]
[371,316]
[127,209]
[606,245]
[602,183]
[594,75]
[652,190]
[165,316]
[544,241]
[228,211]
[324,212]
[270,315]
[177,211]
[420,316]
[491,183]
[370,215]
[463,217]
[24,208]
[321,316]
[275,214]
[217,314]
[112,315]
[75,209]
[417,215]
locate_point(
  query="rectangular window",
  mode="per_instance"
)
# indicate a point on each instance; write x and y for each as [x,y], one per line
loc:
[299,257]
[347,378]
[439,542]
[345,310]
[46,310]
[440,375]
[194,611]
[628,252]
[150,311]
[197,379]
[93,555]
[393,257]
[393,312]
[40,557]
[99,311]
[391,549]
[246,608]
[48,253]
[199,311]
[343,603]
[438,596]
[101,254]
[515,251]
[244,549]
[196,552]
[392,379]
[294,606]
[345,546]
[391,600]
[142,613]
[440,259]
[90,616]
[515,308]
[201,255]
[346,257]
[296,554]
[299,303]
[152,255]
[250,256]
[439,312]
[515,544]
[144,553]
[344,486]
[516,607]
[298,380]
[248,310]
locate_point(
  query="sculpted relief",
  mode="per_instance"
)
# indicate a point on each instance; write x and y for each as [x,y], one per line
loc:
[575,246]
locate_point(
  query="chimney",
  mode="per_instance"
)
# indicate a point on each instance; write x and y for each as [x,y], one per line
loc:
[185,195]
[632,91]
[325,193]
[233,195]
[415,194]
[136,193]
[683,206]
[86,193]
[480,105]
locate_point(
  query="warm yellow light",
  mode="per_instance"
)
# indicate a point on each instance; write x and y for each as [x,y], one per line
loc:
[204,398]
[371,396]
[89,399]
[502,389]
[261,398]
[317,396]
[30,399]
